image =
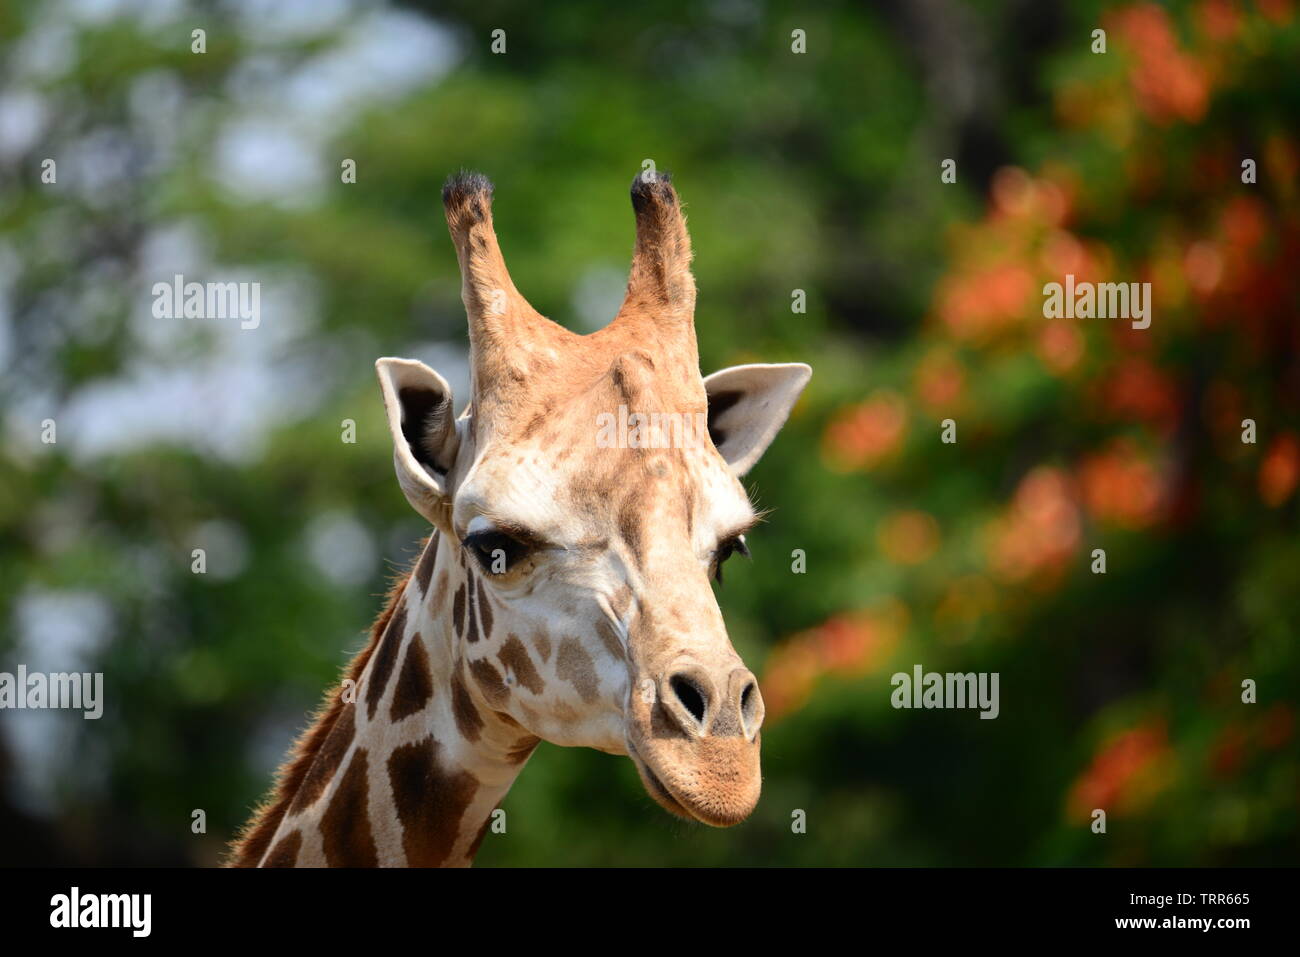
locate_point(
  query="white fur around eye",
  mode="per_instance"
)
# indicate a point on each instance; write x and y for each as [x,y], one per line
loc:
[479,523]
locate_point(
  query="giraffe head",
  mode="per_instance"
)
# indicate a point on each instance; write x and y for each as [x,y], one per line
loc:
[593,486]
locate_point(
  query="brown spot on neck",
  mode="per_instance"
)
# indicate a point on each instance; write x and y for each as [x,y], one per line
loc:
[424,570]
[431,799]
[345,825]
[285,852]
[385,659]
[468,720]
[439,600]
[458,611]
[327,760]
[478,838]
[414,682]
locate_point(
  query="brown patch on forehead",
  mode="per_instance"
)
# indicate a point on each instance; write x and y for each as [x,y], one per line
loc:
[458,610]
[629,375]
[574,665]
[489,682]
[327,760]
[345,826]
[514,656]
[484,611]
[285,852]
[587,495]
[414,682]
[424,570]
[630,518]
[468,719]
[385,658]
[430,799]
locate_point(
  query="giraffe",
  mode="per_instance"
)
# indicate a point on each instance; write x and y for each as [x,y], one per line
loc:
[564,591]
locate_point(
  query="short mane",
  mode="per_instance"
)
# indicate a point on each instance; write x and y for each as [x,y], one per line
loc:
[248,848]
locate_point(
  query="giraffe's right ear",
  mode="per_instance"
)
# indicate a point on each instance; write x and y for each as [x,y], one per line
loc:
[421,419]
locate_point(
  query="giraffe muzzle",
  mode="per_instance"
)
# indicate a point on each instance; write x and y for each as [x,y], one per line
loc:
[696,745]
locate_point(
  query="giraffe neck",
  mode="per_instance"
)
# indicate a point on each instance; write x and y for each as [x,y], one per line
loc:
[416,762]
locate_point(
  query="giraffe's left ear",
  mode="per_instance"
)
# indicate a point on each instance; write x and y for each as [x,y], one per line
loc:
[422,422]
[747,407]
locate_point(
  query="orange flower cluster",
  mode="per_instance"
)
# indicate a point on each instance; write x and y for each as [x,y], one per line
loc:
[1039,532]
[862,435]
[1137,390]
[978,304]
[1280,470]
[940,381]
[851,645]
[908,537]
[1168,84]
[1128,771]
[994,285]
[1124,486]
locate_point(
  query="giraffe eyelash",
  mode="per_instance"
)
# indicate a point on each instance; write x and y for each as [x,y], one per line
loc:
[735,545]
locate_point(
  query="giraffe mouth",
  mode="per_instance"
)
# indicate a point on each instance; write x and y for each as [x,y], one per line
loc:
[658,790]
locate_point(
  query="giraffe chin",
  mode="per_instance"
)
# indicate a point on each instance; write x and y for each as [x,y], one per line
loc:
[702,812]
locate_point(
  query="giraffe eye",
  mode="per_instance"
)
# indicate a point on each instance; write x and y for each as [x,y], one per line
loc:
[496,552]
[732,546]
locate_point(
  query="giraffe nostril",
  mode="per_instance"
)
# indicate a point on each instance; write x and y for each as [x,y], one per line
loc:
[748,702]
[690,696]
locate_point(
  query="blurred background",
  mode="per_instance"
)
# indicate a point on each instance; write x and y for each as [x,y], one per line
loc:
[818,172]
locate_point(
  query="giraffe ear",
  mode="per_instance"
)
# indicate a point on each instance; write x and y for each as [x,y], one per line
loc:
[747,407]
[421,419]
